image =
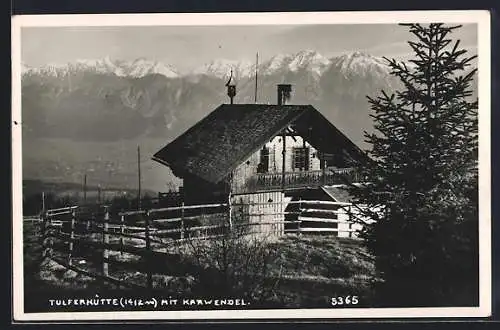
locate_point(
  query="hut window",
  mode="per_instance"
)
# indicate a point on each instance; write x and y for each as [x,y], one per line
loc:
[301,158]
[263,166]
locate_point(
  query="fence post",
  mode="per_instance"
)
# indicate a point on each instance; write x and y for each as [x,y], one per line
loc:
[298,216]
[149,252]
[350,221]
[229,197]
[43,202]
[182,220]
[282,217]
[230,211]
[50,238]
[122,231]
[71,237]
[44,239]
[88,221]
[323,171]
[105,239]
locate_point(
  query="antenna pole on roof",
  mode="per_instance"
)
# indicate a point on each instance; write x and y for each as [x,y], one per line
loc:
[256,70]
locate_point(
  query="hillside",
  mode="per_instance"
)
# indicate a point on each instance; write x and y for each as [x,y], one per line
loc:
[110,164]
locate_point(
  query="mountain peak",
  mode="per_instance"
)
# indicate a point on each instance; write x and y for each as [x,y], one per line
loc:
[221,68]
[359,53]
[309,59]
[303,60]
[360,62]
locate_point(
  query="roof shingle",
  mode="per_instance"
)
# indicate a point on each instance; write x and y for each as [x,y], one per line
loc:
[224,138]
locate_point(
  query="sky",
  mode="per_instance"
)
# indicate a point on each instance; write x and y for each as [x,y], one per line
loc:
[188,47]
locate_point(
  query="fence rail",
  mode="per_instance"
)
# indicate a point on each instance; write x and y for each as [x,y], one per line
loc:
[72,233]
[32,219]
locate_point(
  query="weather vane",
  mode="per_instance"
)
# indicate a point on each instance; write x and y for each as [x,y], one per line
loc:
[231,88]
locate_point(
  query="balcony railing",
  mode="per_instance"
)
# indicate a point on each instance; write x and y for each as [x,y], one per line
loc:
[299,179]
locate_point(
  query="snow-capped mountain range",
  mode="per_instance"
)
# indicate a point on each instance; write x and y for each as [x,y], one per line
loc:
[145,96]
[136,68]
[308,60]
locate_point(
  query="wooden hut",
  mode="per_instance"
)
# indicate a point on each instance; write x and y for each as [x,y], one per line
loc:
[260,155]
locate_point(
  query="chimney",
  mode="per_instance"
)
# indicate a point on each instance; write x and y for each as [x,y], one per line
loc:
[231,92]
[284,93]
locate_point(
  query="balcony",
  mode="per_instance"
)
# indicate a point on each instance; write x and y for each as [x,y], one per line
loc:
[295,180]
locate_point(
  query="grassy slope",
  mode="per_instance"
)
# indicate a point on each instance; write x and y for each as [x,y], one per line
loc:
[317,268]
[314,269]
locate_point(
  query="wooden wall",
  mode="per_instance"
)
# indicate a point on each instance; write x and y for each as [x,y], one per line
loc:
[245,170]
[265,210]
[249,166]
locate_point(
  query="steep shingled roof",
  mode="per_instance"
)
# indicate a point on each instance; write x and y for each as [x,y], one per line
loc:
[227,136]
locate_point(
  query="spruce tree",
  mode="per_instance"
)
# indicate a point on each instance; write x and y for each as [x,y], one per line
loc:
[421,181]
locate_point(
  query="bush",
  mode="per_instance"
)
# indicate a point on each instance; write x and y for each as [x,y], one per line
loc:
[235,264]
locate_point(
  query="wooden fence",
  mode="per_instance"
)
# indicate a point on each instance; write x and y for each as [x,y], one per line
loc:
[143,240]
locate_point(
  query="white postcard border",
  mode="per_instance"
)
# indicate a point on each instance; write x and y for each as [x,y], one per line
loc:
[481,17]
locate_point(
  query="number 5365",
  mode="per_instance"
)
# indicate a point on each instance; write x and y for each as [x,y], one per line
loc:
[346,300]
